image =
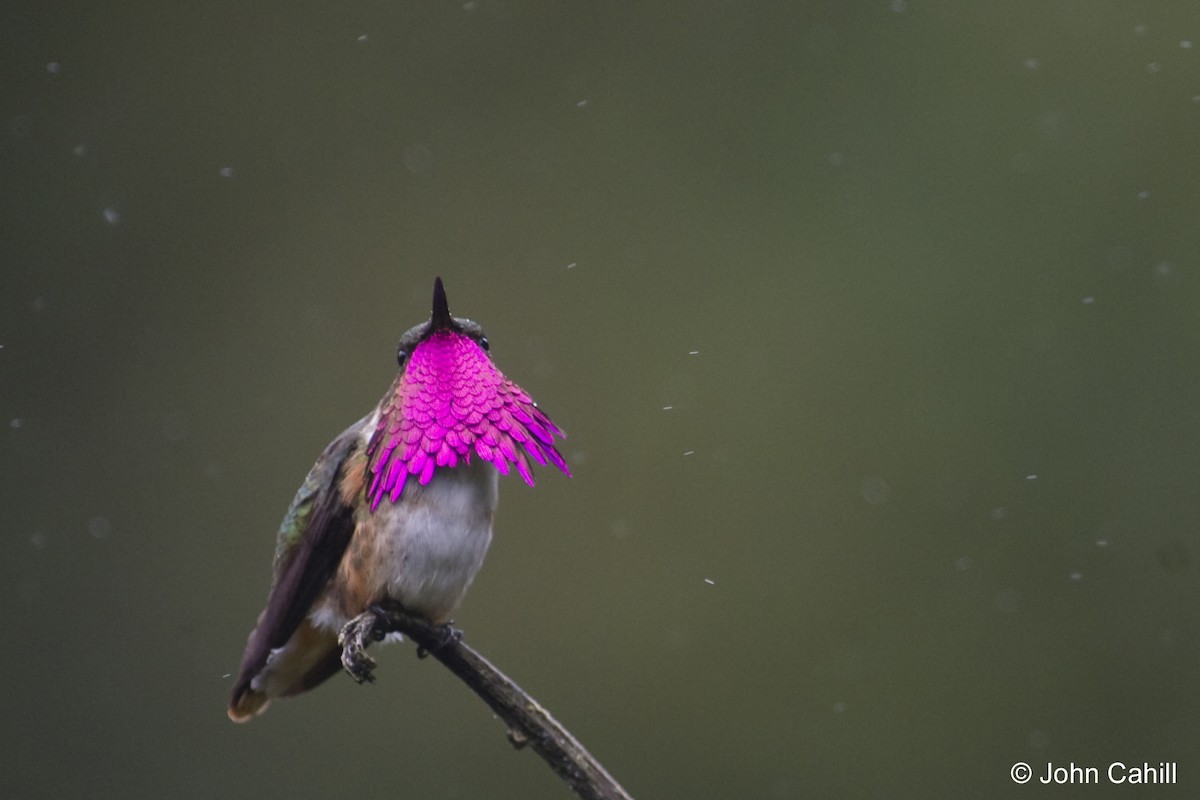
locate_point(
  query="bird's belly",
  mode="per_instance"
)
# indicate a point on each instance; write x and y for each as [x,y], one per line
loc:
[423,551]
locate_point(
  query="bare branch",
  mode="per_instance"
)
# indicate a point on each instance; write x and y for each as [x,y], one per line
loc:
[528,723]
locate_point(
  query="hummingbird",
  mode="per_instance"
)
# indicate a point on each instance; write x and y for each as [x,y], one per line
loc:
[399,506]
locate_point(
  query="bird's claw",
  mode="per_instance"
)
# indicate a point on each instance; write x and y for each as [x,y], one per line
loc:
[354,638]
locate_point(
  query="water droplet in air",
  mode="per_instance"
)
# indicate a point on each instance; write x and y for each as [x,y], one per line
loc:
[1008,600]
[418,159]
[175,426]
[20,125]
[99,527]
[874,490]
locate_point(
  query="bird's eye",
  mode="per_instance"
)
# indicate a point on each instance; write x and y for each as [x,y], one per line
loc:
[401,354]
[483,342]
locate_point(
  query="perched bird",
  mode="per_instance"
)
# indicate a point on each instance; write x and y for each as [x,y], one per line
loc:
[399,506]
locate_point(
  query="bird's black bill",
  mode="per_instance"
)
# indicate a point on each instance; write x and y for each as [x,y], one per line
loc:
[441,319]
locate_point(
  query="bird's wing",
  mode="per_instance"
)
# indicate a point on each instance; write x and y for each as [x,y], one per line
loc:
[312,539]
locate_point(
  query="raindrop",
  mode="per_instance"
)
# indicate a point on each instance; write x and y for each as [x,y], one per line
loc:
[835,159]
[54,67]
[175,426]
[874,490]
[1119,258]
[667,408]
[362,38]
[999,512]
[15,423]
[1164,269]
[689,452]
[839,707]
[1175,556]
[418,159]
[710,581]
[1032,63]
[225,172]
[1153,67]
[582,104]
[112,216]
[1186,44]
[1008,600]
[1144,194]
[964,563]
[572,265]
[1032,477]
[693,352]
[99,527]
[1089,300]
[1076,576]
[899,6]
[80,150]
[20,125]
[1050,124]
[822,39]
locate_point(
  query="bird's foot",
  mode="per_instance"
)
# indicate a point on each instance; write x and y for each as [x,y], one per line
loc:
[448,634]
[354,639]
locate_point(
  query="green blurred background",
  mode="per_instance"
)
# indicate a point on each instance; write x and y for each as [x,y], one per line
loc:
[873,325]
